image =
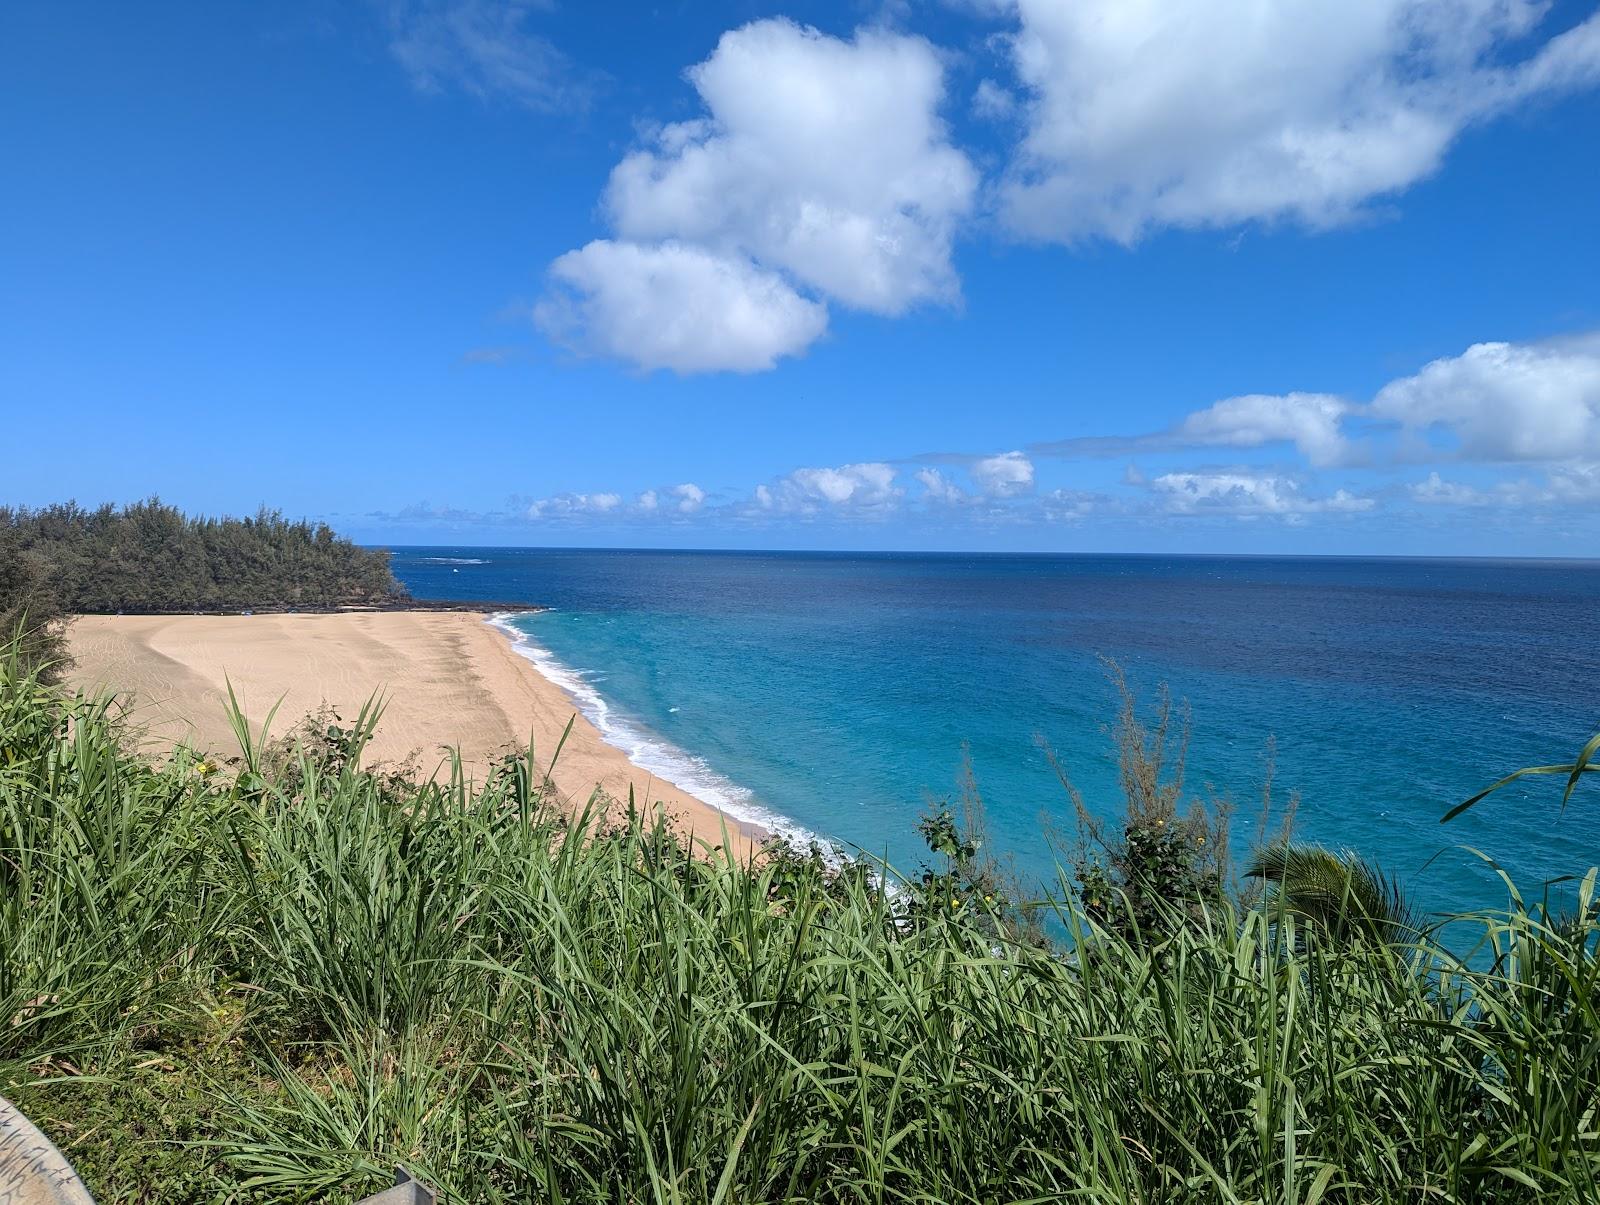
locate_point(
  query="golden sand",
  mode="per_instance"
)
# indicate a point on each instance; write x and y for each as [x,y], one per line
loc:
[448,680]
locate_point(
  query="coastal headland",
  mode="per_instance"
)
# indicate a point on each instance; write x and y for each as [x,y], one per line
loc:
[448,681]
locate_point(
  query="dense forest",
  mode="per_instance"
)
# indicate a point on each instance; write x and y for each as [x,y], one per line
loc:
[67,559]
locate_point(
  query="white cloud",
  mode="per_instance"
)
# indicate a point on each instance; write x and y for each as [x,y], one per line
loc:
[485,48]
[1310,421]
[685,499]
[1506,401]
[820,165]
[868,488]
[1145,114]
[1435,491]
[1576,483]
[1004,476]
[938,488]
[824,158]
[1495,402]
[992,102]
[677,307]
[574,506]
[1070,506]
[1248,495]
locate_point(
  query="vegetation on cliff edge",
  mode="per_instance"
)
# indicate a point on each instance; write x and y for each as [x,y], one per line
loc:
[58,561]
[275,979]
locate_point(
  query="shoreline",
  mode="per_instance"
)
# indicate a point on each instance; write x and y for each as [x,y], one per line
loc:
[449,679]
[423,606]
[749,815]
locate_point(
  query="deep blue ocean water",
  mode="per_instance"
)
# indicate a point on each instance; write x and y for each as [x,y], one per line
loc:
[835,693]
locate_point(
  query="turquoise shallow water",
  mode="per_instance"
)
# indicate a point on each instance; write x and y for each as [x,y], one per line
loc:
[834,694]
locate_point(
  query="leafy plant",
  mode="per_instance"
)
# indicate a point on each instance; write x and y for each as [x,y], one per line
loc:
[1587,762]
[276,982]
[1167,862]
[1341,894]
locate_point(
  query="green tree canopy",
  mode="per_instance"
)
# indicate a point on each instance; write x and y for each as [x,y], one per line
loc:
[151,557]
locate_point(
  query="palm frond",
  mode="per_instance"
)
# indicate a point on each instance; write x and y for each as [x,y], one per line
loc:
[1340,892]
[1587,762]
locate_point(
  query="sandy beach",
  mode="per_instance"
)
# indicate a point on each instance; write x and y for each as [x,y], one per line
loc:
[448,679]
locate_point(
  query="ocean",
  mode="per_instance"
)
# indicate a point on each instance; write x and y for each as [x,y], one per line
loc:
[837,695]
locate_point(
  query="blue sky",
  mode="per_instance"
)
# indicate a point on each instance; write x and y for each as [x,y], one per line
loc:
[1188,276]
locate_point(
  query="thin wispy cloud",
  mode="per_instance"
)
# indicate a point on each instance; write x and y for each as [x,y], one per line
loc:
[495,356]
[491,49]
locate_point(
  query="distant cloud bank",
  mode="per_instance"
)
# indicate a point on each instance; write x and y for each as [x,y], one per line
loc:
[1532,408]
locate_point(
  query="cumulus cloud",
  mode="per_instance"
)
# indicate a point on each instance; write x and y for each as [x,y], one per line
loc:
[819,164]
[690,498]
[1199,113]
[677,307]
[868,488]
[939,489]
[574,506]
[1495,402]
[685,499]
[1436,491]
[1003,476]
[485,48]
[1506,401]
[1576,483]
[1249,495]
[822,157]
[1310,421]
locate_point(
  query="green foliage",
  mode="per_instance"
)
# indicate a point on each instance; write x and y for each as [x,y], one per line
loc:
[32,619]
[1587,762]
[275,981]
[152,558]
[1167,864]
[1340,894]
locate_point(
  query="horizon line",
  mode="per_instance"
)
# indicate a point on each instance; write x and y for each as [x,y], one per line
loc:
[998,555]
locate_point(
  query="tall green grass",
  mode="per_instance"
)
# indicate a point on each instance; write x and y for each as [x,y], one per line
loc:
[276,982]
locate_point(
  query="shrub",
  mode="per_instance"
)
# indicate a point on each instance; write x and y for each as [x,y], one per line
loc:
[251,984]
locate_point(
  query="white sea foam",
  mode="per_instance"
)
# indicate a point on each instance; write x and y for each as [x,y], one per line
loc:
[452,560]
[649,751]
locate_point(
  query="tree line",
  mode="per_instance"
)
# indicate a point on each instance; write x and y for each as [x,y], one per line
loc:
[67,559]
